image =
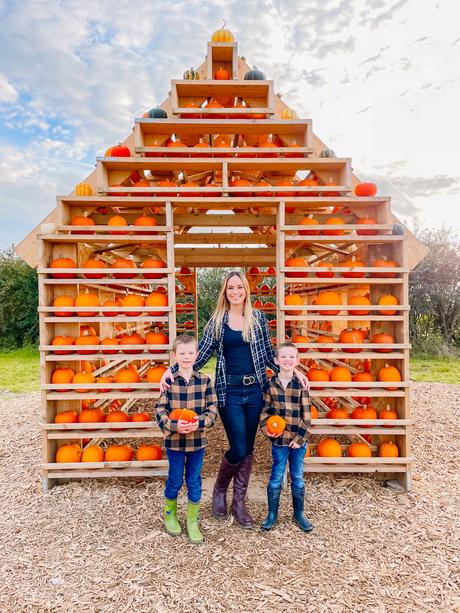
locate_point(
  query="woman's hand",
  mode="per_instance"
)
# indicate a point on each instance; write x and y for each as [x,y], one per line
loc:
[304,382]
[167,376]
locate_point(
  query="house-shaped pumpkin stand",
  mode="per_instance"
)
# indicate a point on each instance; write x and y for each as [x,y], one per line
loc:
[222,174]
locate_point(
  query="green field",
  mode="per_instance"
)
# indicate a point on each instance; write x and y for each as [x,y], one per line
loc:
[19,370]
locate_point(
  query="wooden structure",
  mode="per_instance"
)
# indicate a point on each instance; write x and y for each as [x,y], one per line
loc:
[225,207]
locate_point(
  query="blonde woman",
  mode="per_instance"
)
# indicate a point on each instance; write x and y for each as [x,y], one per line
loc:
[240,337]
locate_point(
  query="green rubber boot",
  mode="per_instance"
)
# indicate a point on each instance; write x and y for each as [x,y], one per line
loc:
[193,524]
[170,518]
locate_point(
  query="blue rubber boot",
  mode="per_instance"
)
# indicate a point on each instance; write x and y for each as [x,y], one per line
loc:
[273,498]
[298,496]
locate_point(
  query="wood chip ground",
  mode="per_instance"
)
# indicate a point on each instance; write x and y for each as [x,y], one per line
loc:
[99,545]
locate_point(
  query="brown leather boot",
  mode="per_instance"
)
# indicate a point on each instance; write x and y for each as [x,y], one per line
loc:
[240,486]
[219,493]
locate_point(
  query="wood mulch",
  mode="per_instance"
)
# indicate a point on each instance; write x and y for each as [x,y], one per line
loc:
[98,545]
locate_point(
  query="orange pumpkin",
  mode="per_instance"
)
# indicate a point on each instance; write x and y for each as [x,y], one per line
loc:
[388,300]
[293,300]
[388,413]
[384,339]
[69,453]
[109,341]
[388,374]
[267,145]
[156,300]
[184,414]
[264,194]
[363,377]
[308,221]
[383,263]
[94,263]
[62,376]
[132,339]
[190,105]
[364,412]
[283,194]
[86,339]
[351,336]
[63,263]
[301,339]
[326,270]
[141,417]
[111,303]
[93,454]
[275,424]
[81,220]
[315,375]
[117,220]
[337,413]
[298,262]
[118,453]
[154,374]
[359,450]
[340,374]
[123,263]
[366,221]
[147,452]
[329,448]
[156,338]
[175,144]
[388,450]
[127,375]
[91,416]
[62,340]
[334,221]
[87,300]
[241,183]
[80,378]
[145,220]
[359,301]
[166,184]
[153,263]
[365,189]
[328,298]
[64,301]
[133,300]
[313,411]
[309,183]
[324,338]
[117,416]
[353,263]
[66,417]
[102,381]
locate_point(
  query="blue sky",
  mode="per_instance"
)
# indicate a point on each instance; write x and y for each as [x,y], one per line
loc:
[379,79]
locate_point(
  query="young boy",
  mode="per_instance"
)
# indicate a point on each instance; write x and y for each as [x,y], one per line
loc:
[185,441]
[284,396]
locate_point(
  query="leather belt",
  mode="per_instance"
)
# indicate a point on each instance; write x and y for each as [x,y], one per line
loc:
[241,379]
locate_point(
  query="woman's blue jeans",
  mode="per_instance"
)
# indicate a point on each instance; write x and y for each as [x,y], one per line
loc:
[240,416]
[189,462]
[281,454]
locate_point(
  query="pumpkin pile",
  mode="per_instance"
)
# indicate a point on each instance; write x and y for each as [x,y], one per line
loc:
[73,452]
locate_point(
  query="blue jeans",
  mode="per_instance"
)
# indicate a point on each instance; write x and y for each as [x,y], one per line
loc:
[191,461]
[240,417]
[281,455]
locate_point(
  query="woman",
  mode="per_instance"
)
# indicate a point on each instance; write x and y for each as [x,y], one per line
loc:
[239,334]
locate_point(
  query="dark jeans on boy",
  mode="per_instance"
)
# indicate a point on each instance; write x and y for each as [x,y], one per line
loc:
[189,462]
[240,417]
[281,454]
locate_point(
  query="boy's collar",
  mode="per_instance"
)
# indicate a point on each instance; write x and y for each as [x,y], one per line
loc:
[195,373]
[293,378]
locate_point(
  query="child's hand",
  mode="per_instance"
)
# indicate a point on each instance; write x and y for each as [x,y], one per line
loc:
[294,445]
[270,435]
[183,426]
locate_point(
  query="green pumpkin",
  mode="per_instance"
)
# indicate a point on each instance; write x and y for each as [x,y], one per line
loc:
[157,113]
[191,75]
[327,153]
[398,229]
[254,75]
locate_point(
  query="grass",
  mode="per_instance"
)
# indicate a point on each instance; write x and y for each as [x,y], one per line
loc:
[439,370]
[20,372]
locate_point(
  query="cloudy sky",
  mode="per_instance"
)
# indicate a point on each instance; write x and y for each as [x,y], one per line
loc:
[379,79]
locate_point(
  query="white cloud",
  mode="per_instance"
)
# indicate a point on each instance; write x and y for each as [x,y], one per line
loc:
[7,91]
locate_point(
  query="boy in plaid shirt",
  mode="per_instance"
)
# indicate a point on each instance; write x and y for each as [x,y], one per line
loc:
[284,396]
[185,441]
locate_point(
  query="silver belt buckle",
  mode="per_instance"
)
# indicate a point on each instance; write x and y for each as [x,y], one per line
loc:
[248,379]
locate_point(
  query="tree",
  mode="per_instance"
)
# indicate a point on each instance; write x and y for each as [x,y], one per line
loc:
[18,301]
[434,287]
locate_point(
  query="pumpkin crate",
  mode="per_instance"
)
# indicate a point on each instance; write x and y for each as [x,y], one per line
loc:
[342,290]
[106,299]
[223,174]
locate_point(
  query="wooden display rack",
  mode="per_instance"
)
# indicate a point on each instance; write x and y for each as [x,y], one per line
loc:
[232,226]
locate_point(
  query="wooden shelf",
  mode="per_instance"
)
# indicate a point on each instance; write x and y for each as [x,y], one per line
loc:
[296,128]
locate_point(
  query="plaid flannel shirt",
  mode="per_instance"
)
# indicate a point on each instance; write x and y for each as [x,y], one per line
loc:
[197,395]
[262,353]
[292,404]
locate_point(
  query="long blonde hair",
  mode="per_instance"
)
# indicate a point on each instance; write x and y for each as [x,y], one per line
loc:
[223,305]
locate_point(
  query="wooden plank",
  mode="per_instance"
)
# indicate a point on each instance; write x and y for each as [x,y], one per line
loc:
[295,128]
[106,434]
[319,468]
[346,460]
[145,426]
[106,473]
[190,238]
[89,465]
